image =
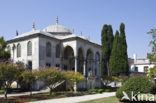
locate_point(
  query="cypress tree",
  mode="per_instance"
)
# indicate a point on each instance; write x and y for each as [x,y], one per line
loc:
[124,56]
[104,50]
[110,43]
[114,62]
[107,42]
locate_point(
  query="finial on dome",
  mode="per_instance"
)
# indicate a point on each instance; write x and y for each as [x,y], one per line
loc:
[33,26]
[73,30]
[16,32]
[88,37]
[57,20]
[81,33]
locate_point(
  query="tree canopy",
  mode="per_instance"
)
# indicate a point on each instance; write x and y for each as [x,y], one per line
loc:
[4,54]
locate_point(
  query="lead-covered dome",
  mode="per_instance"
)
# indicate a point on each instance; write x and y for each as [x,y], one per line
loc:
[57,28]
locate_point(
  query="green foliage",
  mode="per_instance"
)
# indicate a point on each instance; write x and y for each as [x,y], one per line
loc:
[4,55]
[51,76]
[114,63]
[135,84]
[8,74]
[124,56]
[74,76]
[92,90]
[152,56]
[151,73]
[107,41]
[29,78]
[118,63]
[98,90]
[107,90]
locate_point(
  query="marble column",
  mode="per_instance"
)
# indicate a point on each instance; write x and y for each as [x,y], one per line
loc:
[84,68]
[75,84]
[76,64]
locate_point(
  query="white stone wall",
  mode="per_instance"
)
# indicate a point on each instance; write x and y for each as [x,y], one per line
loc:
[42,49]
[141,67]
[24,58]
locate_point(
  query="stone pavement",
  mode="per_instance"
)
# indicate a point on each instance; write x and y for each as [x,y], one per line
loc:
[77,98]
[25,93]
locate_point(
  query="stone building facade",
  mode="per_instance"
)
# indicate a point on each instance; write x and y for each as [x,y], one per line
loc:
[57,46]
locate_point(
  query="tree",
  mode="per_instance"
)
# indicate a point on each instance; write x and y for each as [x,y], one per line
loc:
[8,74]
[152,56]
[4,54]
[74,78]
[107,41]
[124,56]
[51,77]
[21,69]
[114,62]
[29,78]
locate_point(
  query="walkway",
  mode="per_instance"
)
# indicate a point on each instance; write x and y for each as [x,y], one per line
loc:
[77,98]
[24,93]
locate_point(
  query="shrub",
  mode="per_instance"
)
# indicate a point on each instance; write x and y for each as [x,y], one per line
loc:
[135,84]
[100,90]
[92,90]
[107,90]
[154,90]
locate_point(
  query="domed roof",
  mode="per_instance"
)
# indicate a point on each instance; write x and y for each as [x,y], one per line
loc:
[57,29]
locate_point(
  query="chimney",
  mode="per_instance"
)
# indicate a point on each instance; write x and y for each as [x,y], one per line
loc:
[135,58]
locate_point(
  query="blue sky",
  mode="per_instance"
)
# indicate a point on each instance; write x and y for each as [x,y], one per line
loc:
[87,16]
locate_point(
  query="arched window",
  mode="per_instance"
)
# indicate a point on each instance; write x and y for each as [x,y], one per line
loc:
[18,50]
[29,48]
[48,49]
[57,51]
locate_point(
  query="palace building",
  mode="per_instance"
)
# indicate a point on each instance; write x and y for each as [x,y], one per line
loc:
[57,46]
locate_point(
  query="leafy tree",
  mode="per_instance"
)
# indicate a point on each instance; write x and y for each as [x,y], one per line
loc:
[21,69]
[124,56]
[51,77]
[29,78]
[107,41]
[152,56]
[4,55]
[114,63]
[8,74]
[73,77]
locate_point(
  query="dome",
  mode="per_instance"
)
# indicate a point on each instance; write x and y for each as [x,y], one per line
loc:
[57,29]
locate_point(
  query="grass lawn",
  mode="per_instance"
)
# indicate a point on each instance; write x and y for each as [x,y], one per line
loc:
[104,100]
[110,100]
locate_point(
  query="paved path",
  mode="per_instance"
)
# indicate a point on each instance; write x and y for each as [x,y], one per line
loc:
[24,93]
[77,98]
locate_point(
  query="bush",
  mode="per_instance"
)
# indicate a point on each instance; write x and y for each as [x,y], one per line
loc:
[92,90]
[100,90]
[107,90]
[154,90]
[135,84]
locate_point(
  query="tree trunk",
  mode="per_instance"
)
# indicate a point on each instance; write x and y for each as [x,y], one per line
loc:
[75,87]
[30,89]
[5,92]
[50,91]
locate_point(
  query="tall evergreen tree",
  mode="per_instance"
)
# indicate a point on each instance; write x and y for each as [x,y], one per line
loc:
[114,62]
[110,44]
[104,50]
[124,56]
[107,41]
